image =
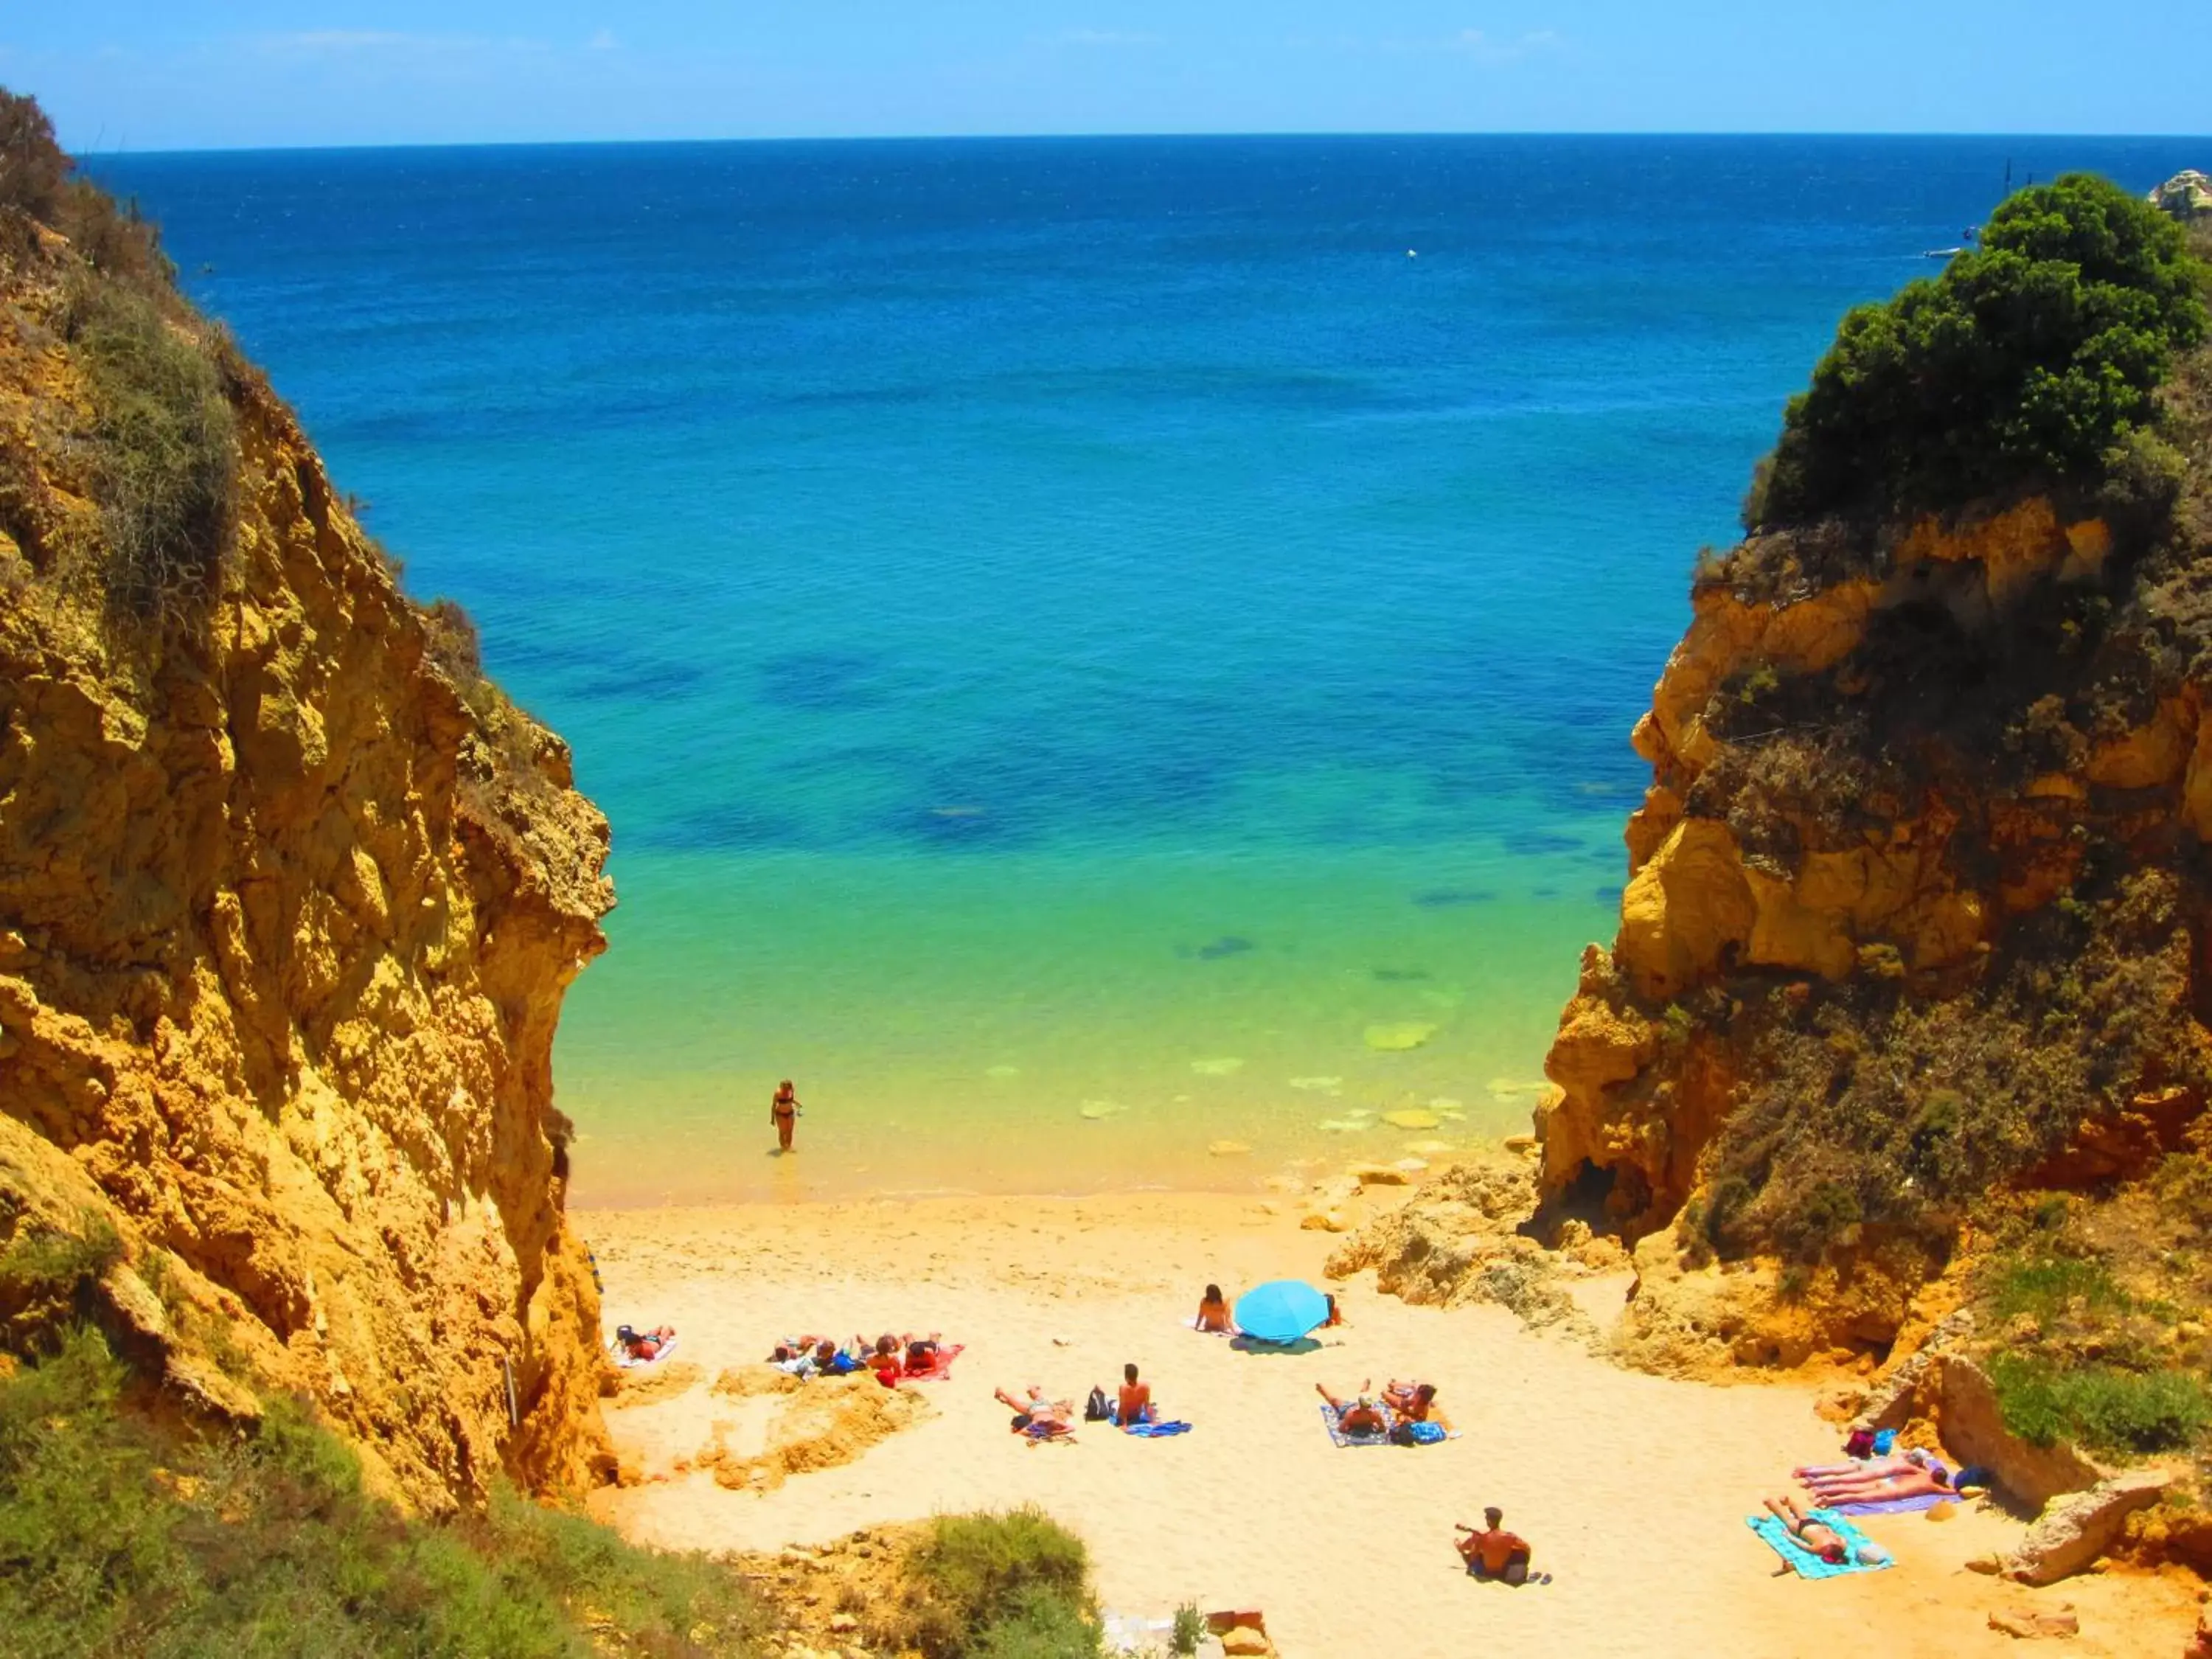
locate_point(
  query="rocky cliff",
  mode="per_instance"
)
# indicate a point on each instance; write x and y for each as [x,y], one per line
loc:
[1918,921]
[290,898]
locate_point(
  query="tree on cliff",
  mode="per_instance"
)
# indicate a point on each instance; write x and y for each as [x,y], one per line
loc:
[2025,363]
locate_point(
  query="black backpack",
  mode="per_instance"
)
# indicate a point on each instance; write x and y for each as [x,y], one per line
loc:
[1095,1409]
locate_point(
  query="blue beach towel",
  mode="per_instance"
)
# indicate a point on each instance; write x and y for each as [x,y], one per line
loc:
[1806,1565]
[1149,1426]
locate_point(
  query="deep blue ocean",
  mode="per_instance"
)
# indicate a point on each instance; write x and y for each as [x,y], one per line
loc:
[1095,651]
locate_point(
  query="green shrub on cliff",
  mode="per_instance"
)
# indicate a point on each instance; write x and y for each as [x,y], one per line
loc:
[122,1534]
[2025,362]
[992,1586]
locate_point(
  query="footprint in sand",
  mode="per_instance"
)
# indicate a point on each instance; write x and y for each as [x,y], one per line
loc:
[1228,1068]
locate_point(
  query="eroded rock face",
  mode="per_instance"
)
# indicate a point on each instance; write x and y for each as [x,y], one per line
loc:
[285,925]
[1839,817]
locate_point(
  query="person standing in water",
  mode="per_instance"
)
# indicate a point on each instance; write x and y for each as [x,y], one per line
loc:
[783,1112]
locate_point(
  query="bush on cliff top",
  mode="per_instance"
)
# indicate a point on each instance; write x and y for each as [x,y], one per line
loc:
[2025,362]
[119,1534]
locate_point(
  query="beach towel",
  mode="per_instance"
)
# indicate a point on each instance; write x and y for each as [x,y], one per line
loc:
[1336,1428]
[1926,1500]
[940,1364]
[1191,1324]
[623,1358]
[1149,1426]
[1776,1536]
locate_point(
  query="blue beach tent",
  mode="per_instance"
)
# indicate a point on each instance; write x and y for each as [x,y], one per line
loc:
[1281,1310]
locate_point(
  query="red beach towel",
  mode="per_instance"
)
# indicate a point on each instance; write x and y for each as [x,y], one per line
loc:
[940,1366]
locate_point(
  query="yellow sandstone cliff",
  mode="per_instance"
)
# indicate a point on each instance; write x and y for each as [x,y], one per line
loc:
[289,900]
[1813,865]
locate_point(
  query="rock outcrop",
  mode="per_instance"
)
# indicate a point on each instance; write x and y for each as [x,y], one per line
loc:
[1924,801]
[2187,196]
[290,898]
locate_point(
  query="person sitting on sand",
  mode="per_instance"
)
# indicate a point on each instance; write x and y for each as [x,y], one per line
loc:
[831,1360]
[1361,1419]
[1415,1401]
[645,1345]
[1213,1310]
[1819,1538]
[1038,1418]
[1335,1313]
[1494,1552]
[1135,1404]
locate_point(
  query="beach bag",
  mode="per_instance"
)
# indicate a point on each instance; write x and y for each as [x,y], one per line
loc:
[1402,1434]
[1095,1409]
[1425,1434]
[1861,1443]
[1884,1442]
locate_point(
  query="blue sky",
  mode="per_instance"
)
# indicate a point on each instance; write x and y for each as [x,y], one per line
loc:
[170,74]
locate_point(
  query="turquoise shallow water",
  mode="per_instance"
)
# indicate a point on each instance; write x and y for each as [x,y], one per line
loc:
[1070,634]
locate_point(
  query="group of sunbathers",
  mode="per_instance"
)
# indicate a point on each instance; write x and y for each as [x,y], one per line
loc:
[889,1357]
[1912,1474]
[1369,1416]
[1040,1419]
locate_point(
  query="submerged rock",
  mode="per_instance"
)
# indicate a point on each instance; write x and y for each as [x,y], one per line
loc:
[1399,1035]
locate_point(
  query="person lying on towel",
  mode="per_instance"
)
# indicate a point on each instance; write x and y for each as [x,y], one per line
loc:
[1922,1477]
[1361,1419]
[645,1345]
[1494,1552]
[1818,1538]
[1038,1418]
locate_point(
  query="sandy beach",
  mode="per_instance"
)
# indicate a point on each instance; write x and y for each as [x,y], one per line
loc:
[1633,1489]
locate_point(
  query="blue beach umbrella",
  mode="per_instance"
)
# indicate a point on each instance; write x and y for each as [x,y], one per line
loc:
[1281,1310]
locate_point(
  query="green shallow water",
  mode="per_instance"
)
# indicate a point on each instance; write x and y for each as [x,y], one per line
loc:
[949,1024]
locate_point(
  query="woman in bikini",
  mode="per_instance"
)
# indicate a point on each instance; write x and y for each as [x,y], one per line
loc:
[1213,1310]
[783,1112]
[1819,1538]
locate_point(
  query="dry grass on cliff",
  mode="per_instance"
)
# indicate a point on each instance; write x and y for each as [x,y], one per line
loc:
[122,1532]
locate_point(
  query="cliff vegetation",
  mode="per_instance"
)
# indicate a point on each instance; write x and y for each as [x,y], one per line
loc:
[289,895]
[1909,1008]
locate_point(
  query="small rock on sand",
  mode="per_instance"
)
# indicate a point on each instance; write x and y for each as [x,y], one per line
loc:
[1399,1035]
[1524,1145]
[2028,1623]
[1322,1221]
[1376,1174]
